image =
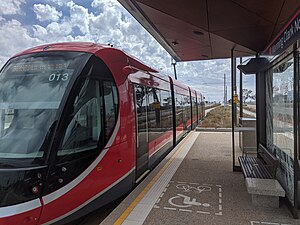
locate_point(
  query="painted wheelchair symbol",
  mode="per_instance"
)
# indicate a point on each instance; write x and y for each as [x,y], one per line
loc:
[188,188]
[187,202]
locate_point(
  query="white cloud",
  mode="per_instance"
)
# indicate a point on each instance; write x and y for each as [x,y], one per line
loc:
[46,12]
[11,7]
[14,38]
[108,22]
[112,4]
[58,2]
[79,17]
[119,28]
[39,31]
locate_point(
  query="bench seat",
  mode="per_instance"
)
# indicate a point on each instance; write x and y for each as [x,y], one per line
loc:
[254,168]
[264,166]
[260,174]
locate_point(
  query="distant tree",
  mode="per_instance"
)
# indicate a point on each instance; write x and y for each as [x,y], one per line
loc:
[248,94]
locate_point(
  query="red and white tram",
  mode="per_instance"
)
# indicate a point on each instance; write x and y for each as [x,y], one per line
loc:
[80,124]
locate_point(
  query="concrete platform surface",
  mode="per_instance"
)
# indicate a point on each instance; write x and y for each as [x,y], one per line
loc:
[202,190]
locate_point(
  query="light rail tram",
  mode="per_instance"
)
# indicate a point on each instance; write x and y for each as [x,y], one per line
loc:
[80,125]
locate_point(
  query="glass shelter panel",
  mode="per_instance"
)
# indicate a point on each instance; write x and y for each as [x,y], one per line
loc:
[283,120]
[280,121]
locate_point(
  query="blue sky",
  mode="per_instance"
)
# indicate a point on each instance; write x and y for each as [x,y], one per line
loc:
[27,23]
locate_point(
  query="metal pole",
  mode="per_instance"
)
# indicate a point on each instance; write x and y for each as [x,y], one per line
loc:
[232,111]
[174,65]
[233,87]
[225,90]
[233,108]
[241,90]
[296,130]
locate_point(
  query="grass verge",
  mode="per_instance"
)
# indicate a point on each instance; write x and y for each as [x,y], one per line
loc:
[219,117]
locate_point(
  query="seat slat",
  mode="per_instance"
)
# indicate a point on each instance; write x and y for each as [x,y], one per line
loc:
[263,166]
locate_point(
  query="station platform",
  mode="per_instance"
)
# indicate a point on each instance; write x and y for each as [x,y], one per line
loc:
[195,184]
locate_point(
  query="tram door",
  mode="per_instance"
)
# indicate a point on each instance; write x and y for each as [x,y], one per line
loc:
[142,140]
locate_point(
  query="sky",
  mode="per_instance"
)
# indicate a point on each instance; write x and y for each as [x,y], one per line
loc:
[28,23]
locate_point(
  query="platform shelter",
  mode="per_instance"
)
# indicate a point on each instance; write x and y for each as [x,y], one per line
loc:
[268,32]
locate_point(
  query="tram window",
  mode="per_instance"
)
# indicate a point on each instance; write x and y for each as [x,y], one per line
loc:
[187,107]
[111,107]
[184,110]
[179,113]
[194,107]
[166,110]
[31,89]
[200,111]
[141,115]
[153,113]
[84,127]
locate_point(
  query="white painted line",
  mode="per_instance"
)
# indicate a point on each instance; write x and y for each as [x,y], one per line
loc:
[268,223]
[203,212]
[158,200]
[185,210]
[156,207]
[181,182]
[220,201]
[174,209]
[194,183]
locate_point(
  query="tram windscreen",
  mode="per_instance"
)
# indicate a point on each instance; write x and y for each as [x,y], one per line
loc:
[31,90]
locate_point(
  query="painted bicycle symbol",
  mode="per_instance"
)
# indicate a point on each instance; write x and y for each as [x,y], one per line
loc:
[187,202]
[188,188]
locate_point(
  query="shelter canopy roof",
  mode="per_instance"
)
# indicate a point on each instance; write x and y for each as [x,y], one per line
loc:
[209,29]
